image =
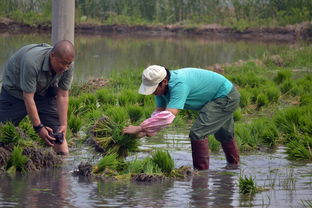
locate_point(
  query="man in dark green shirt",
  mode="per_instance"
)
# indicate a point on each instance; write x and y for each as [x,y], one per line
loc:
[36,81]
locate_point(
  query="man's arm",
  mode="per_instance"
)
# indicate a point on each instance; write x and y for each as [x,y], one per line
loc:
[62,108]
[34,117]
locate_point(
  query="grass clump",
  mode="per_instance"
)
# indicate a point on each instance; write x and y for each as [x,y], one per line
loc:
[163,160]
[109,161]
[300,148]
[17,161]
[75,124]
[247,185]
[282,76]
[109,137]
[135,113]
[9,133]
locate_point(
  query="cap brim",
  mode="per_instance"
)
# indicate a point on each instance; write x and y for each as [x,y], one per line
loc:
[147,90]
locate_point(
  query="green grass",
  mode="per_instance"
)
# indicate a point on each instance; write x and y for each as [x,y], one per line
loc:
[163,161]
[17,161]
[9,133]
[247,185]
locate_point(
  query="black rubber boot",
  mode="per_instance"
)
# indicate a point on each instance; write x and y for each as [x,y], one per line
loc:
[231,152]
[200,154]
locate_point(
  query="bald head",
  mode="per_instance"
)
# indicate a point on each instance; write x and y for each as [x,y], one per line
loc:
[62,56]
[64,48]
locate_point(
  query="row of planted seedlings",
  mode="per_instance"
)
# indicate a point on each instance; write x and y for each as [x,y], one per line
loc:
[102,114]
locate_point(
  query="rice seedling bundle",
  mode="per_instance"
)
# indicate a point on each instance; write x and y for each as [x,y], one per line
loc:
[108,135]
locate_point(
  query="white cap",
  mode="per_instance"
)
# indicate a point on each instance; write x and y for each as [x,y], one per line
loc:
[151,77]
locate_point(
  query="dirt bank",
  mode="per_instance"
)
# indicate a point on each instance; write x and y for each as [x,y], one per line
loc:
[291,32]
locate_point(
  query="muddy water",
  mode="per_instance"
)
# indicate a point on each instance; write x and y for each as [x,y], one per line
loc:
[283,183]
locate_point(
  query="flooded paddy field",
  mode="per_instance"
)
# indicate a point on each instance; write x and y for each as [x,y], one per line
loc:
[282,183]
[279,182]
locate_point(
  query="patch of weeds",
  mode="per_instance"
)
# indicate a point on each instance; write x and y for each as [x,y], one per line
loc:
[247,185]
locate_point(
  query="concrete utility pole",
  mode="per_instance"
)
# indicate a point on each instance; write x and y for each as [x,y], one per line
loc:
[63,20]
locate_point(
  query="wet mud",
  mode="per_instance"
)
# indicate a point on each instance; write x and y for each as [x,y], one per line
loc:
[38,158]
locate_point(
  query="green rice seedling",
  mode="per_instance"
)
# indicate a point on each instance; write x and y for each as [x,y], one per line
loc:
[26,126]
[237,115]
[255,92]
[300,148]
[246,140]
[245,98]
[105,96]
[179,121]
[89,99]
[189,114]
[287,86]
[108,161]
[249,79]
[306,203]
[273,93]
[8,133]
[128,97]
[306,99]
[75,124]
[282,76]
[247,185]
[136,166]
[76,106]
[288,120]
[150,167]
[149,100]
[163,160]
[135,113]
[109,136]
[145,165]
[214,145]
[297,90]
[117,114]
[264,130]
[92,116]
[17,160]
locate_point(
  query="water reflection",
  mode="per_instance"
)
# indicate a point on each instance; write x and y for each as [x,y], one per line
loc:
[100,55]
[49,188]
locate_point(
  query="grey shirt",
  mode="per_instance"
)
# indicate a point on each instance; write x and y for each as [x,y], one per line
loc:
[29,70]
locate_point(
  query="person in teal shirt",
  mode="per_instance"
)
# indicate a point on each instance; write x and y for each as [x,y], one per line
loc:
[208,92]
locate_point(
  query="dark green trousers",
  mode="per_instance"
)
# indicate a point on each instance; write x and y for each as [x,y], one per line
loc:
[216,117]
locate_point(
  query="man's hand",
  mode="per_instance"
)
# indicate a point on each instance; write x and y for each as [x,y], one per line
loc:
[63,130]
[44,133]
[132,129]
